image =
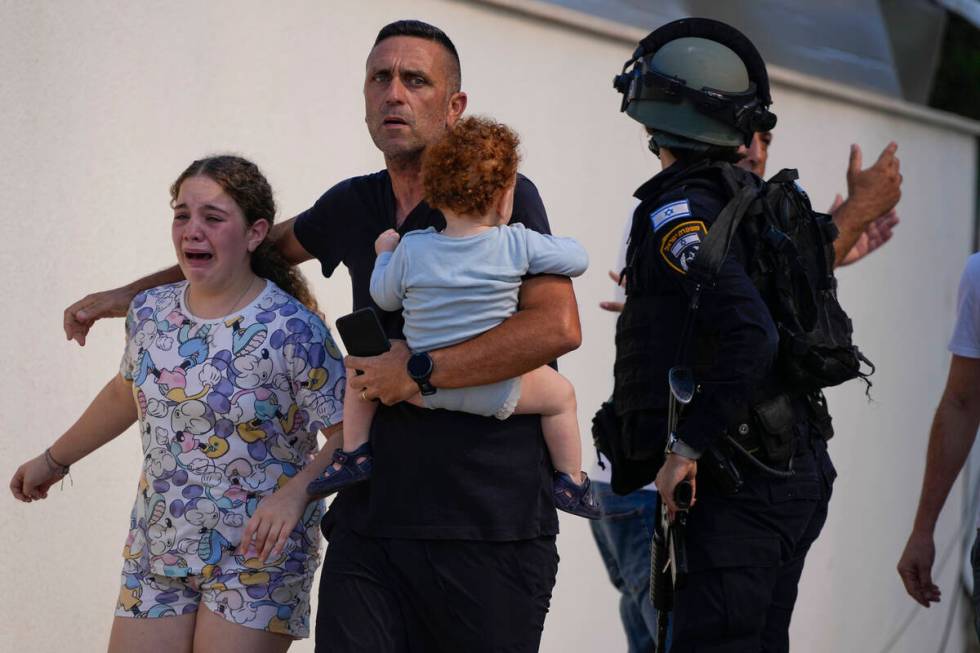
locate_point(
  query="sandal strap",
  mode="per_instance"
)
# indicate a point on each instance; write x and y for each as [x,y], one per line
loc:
[342,457]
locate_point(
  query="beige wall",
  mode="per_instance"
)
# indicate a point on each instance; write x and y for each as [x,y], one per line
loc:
[102,104]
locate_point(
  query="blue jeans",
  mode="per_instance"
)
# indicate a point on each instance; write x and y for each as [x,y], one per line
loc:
[623,536]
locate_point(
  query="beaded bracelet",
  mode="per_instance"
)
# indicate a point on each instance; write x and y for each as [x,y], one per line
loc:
[57,467]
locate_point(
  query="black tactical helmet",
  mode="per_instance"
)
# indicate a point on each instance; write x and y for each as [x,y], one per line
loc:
[699,79]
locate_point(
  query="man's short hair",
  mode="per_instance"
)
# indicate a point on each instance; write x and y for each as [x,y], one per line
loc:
[421,30]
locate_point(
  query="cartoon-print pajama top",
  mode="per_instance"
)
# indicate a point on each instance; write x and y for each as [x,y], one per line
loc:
[229,409]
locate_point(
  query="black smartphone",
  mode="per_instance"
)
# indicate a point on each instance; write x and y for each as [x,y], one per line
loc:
[362,333]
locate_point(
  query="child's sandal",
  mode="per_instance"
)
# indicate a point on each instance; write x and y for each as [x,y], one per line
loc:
[574,498]
[349,473]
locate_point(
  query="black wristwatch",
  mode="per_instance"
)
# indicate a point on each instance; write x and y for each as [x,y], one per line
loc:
[420,369]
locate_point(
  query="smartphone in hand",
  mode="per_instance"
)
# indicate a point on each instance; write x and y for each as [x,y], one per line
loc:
[362,333]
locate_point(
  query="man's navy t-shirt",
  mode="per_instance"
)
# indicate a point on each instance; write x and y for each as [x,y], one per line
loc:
[437,474]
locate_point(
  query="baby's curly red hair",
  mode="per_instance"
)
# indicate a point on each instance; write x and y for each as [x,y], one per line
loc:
[466,168]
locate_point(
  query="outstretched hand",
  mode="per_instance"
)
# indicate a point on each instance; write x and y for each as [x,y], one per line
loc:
[915,568]
[33,479]
[876,190]
[877,233]
[383,377]
[80,316]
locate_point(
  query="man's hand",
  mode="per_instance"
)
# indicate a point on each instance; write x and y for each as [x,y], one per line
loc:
[872,195]
[876,234]
[915,568]
[544,327]
[614,307]
[676,469]
[80,316]
[875,190]
[383,377]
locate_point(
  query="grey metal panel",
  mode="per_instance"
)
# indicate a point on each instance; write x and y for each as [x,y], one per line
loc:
[842,40]
[916,30]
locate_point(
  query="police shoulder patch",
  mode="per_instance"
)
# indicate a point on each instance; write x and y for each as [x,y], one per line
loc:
[680,245]
[668,212]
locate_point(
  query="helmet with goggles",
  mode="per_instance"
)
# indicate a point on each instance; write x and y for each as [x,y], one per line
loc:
[699,79]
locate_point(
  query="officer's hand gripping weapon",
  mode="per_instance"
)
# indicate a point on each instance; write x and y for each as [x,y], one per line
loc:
[669,545]
[669,553]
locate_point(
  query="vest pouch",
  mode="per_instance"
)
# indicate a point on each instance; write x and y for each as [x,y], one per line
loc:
[644,435]
[812,367]
[605,429]
[644,439]
[832,367]
[718,467]
[630,446]
[775,420]
[819,415]
[831,358]
[809,362]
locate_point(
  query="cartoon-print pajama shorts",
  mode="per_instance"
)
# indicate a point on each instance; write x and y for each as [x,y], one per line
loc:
[276,601]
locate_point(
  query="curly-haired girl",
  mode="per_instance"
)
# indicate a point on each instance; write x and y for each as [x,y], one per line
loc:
[457,283]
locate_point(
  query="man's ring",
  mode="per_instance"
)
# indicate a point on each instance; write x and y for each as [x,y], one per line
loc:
[363,396]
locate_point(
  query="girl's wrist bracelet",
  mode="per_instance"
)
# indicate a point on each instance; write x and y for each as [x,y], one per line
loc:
[55,466]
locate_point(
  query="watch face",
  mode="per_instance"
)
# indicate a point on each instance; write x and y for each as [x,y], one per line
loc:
[419,366]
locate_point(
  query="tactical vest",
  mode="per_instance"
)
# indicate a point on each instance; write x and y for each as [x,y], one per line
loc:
[789,257]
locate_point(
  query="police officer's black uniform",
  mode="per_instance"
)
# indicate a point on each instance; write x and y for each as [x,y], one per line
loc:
[745,549]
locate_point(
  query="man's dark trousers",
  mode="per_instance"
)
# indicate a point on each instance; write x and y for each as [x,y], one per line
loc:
[746,554]
[382,595]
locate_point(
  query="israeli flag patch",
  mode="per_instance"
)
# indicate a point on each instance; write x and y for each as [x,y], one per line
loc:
[668,212]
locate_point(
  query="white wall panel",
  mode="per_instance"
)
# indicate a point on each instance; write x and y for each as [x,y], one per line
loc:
[103,104]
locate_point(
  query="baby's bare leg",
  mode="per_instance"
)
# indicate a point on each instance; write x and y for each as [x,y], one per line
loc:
[358,414]
[547,393]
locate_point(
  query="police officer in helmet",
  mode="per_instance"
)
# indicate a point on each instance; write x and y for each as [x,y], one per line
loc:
[751,440]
